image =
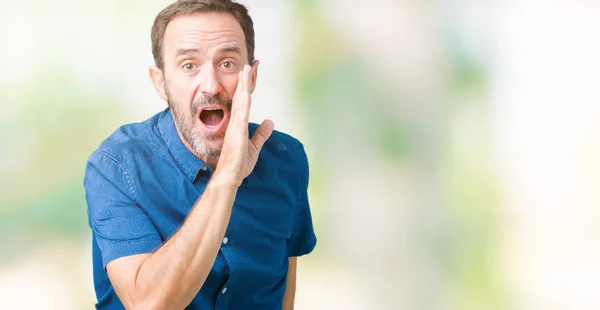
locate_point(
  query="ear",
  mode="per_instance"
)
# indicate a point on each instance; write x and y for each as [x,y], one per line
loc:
[158,80]
[254,74]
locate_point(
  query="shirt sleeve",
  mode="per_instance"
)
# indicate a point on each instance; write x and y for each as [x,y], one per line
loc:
[303,239]
[119,225]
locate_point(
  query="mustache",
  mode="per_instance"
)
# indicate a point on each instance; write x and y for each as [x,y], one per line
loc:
[206,100]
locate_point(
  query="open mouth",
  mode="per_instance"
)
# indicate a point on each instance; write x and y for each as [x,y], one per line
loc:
[213,118]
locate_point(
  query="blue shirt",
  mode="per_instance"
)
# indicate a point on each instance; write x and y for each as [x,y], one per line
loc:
[141,183]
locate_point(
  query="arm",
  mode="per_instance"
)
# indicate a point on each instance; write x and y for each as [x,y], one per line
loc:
[290,288]
[303,239]
[170,277]
[173,275]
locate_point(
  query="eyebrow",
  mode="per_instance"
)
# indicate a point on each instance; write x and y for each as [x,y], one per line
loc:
[230,49]
[223,50]
[187,51]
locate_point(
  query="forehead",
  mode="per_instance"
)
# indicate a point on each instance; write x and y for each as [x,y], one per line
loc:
[203,31]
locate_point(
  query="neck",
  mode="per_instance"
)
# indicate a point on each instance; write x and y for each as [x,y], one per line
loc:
[210,161]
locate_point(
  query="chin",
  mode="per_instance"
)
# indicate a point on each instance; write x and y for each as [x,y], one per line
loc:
[208,147]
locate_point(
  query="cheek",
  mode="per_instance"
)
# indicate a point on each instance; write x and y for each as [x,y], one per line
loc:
[229,83]
[182,91]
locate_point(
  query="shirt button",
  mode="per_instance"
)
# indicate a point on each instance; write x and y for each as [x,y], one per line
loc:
[225,240]
[224,290]
[203,168]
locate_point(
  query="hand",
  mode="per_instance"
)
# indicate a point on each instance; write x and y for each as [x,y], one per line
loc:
[240,154]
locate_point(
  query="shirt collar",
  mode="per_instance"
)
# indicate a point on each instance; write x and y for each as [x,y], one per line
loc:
[186,160]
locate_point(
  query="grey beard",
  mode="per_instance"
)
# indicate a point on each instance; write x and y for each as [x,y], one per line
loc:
[192,135]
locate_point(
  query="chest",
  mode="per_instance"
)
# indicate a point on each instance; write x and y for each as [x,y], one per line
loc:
[262,214]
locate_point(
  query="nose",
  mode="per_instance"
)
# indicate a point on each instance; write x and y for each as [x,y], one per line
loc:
[209,81]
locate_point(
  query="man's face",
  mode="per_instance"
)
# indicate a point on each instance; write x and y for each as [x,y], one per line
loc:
[202,54]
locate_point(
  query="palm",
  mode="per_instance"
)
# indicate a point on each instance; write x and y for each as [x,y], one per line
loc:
[240,154]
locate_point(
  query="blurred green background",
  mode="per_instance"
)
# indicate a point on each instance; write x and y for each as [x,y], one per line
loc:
[454,145]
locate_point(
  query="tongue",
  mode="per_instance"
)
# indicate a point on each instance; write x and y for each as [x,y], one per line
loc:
[211,118]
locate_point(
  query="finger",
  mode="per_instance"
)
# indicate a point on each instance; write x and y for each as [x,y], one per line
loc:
[262,133]
[236,105]
[244,100]
[238,87]
[247,78]
[236,96]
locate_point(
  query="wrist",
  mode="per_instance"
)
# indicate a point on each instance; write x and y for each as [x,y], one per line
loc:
[224,180]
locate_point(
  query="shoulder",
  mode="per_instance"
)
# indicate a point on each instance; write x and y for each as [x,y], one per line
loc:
[109,168]
[133,139]
[286,157]
[283,147]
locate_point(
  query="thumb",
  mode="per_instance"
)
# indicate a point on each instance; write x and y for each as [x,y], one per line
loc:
[262,133]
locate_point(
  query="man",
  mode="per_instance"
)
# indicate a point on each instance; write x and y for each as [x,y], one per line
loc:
[197,208]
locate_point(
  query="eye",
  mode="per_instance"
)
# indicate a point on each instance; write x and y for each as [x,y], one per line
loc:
[227,65]
[189,66]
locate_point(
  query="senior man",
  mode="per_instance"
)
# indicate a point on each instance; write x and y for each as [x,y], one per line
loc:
[196,207]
